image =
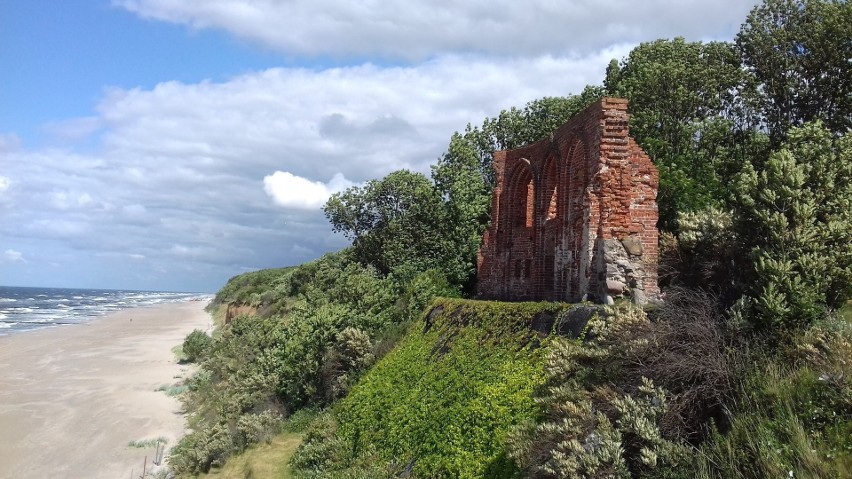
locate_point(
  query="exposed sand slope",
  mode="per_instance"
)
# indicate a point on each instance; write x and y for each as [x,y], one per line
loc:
[72,397]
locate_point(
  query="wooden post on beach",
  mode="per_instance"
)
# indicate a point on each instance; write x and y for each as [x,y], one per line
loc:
[144,467]
[158,454]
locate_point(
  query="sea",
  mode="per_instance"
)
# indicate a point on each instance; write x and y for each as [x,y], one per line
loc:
[26,309]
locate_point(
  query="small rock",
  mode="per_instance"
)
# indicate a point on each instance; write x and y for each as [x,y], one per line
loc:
[614,288]
[632,245]
[608,300]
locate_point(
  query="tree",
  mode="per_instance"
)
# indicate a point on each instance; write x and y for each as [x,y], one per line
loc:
[397,224]
[799,52]
[793,218]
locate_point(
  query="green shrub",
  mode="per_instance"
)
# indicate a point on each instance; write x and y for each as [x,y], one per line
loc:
[260,368]
[349,355]
[196,345]
[201,450]
[593,424]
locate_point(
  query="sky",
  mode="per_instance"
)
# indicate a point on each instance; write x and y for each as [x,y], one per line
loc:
[172,144]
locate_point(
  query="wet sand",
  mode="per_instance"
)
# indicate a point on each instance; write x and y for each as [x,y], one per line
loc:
[73,397]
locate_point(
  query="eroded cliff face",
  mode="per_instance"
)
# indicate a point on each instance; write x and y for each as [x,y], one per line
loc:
[233,310]
[574,216]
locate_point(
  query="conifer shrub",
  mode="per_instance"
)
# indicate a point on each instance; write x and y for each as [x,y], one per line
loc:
[793,218]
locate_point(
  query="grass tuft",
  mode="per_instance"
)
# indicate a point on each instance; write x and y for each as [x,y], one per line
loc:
[141,444]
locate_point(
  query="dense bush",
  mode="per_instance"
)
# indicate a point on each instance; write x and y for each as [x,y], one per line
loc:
[793,414]
[196,345]
[260,369]
[594,423]
[240,289]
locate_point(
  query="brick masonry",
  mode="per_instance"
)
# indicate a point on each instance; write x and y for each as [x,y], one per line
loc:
[574,216]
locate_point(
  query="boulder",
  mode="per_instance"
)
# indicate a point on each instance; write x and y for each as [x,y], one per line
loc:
[633,245]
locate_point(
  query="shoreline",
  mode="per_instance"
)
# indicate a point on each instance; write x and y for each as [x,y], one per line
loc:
[72,398]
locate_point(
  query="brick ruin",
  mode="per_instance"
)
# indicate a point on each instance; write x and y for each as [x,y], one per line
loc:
[574,216]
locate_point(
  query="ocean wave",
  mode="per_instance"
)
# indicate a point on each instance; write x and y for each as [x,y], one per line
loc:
[8,300]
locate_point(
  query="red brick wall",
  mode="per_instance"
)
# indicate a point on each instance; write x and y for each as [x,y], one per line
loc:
[556,199]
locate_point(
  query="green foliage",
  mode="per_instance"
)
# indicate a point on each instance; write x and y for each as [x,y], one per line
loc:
[240,289]
[145,443]
[794,415]
[443,400]
[793,218]
[324,454]
[350,354]
[702,255]
[259,369]
[422,289]
[798,51]
[592,426]
[397,223]
[196,345]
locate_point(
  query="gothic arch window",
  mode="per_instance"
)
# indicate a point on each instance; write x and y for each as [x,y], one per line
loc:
[551,188]
[522,196]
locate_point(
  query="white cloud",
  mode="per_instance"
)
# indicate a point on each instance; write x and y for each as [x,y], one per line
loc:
[419,29]
[66,200]
[73,129]
[292,191]
[362,121]
[12,256]
[5,183]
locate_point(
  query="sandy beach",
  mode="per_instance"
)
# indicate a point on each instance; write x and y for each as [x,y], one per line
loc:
[73,397]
